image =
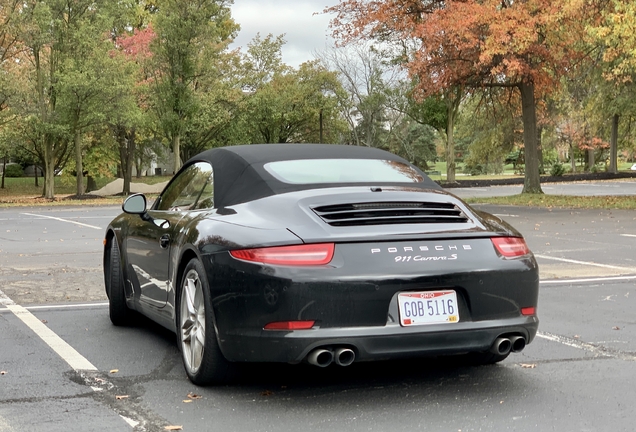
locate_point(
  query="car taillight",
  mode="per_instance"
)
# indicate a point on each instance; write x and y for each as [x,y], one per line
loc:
[297,255]
[510,247]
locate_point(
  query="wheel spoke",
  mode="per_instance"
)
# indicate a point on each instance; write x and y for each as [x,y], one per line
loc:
[190,293]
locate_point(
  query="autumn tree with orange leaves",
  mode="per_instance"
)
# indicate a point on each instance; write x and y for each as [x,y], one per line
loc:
[524,45]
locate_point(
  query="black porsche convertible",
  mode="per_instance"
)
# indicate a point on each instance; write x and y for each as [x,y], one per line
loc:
[325,254]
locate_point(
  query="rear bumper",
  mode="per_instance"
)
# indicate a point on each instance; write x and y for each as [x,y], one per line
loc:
[374,343]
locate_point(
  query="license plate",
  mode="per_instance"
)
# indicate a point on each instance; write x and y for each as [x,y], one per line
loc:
[428,307]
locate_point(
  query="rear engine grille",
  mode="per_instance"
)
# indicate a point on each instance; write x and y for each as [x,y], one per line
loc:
[384,213]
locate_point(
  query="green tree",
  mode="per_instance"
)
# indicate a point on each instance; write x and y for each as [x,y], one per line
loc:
[190,35]
[295,106]
[90,81]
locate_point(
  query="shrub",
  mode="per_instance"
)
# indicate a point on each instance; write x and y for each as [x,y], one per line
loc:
[13,170]
[557,170]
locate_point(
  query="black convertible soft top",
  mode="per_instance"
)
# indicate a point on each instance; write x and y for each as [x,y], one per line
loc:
[240,176]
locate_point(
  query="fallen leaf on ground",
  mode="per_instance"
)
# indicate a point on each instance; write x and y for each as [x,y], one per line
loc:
[113,371]
[528,365]
[173,428]
[267,393]
[616,328]
[187,400]
[44,321]
[194,396]
[120,397]
[3,372]
[576,336]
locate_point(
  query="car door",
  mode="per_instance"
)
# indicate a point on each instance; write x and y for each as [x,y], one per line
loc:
[150,243]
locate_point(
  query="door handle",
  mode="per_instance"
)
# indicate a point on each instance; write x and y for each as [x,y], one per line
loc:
[164,241]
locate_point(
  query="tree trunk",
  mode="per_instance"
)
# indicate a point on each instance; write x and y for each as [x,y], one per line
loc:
[49,169]
[126,142]
[590,160]
[4,168]
[572,159]
[532,180]
[450,146]
[453,99]
[79,168]
[613,166]
[540,149]
[176,149]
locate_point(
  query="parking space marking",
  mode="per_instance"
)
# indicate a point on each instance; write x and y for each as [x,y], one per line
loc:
[74,359]
[587,263]
[628,235]
[583,280]
[63,220]
[4,426]
[69,306]
[586,346]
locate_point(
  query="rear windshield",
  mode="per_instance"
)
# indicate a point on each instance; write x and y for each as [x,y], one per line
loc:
[312,171]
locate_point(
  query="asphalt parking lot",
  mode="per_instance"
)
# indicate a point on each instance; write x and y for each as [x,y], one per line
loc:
[576,375]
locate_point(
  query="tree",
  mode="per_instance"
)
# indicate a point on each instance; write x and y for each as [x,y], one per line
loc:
[614,34]
[295,106]
[131,112]
[190,34]
[365,81]
[89,82]
[525,45]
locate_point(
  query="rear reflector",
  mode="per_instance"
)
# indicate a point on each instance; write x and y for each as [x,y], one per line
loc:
[298,255]
[510,247]
[289,325]
[528,311]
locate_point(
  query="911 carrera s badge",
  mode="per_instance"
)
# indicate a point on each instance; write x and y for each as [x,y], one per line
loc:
[395,250]
[405,254]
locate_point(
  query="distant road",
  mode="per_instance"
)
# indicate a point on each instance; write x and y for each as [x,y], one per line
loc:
[575,188]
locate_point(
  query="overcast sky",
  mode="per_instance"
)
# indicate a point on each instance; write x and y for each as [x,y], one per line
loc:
[305,31]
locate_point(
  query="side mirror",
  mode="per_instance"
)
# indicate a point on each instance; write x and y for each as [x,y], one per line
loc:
[135,204]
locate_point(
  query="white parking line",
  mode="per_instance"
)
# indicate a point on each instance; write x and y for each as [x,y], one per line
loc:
[74,359]
[588,263]
[4,426]
[595,279]
[628,235]
[63,220]
[586,346]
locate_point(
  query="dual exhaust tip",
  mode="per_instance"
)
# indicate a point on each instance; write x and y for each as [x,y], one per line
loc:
[504,345]
[323,357]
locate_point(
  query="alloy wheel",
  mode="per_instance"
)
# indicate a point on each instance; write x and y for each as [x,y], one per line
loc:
[192,325]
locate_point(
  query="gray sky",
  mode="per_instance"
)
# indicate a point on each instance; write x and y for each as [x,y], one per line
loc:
[304,31]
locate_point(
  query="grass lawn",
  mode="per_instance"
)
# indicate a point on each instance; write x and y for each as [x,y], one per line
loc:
[22,191]
[561,201]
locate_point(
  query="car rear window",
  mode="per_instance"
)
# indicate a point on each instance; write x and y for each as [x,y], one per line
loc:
[312,171]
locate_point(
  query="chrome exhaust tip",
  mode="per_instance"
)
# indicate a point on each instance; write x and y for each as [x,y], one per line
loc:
[344,356]
[501,346]
[320,357]
[518,343]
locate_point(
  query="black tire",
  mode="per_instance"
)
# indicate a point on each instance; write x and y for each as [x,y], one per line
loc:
[486,358]
[202,358]
[120,313]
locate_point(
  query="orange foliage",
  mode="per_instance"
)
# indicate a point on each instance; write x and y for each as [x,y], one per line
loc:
[577,135]
[137,45]
[472,42]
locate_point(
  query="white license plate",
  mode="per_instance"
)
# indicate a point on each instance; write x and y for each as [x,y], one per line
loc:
[428,307]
